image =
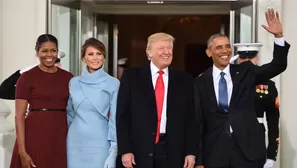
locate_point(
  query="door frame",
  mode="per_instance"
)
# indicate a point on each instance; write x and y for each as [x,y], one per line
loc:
[173,7]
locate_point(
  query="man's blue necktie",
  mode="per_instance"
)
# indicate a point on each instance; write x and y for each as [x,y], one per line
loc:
[223,93]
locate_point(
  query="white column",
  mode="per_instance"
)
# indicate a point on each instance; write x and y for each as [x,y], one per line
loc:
[6,128]
[288,87]
[21,22]
[285,82]
[7,137]
[1,35]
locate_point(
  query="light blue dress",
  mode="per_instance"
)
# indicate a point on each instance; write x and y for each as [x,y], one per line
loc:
[91,111]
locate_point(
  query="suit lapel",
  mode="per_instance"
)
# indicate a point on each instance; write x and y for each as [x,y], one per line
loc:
[172,86]
[148,88]
[210,91]
[234,71]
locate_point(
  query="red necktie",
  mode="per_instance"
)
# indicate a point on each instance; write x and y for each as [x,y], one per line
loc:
[159,94]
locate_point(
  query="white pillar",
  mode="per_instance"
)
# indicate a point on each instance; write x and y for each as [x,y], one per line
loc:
[7,137]
[1,35]
[289,91]
[285,82]
[21,22]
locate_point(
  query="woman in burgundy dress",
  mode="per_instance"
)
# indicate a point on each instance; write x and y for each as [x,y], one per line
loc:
[41,135]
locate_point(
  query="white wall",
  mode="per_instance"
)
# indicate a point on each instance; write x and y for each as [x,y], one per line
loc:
[22,22]
[287,157]
[289,90]
[1,35]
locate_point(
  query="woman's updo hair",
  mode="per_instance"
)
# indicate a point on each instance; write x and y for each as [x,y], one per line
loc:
[45,38]
[93,42]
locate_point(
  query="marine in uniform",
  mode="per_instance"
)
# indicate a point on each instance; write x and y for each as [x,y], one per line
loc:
[7,87]
[266,102]
[122,65]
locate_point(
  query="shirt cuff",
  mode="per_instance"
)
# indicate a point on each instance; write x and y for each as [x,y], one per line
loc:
[280,41]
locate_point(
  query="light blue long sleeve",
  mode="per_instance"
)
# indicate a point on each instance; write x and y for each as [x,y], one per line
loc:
[70,111]
[113,150]
[112,136]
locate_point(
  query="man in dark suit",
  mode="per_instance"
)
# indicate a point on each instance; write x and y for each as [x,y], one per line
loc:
[230,134]
[156,120]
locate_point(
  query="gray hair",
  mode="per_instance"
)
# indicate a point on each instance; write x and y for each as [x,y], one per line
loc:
[214,36]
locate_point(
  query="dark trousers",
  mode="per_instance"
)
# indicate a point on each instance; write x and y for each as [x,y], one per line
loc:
[160,155]
[236,157]
[261,163]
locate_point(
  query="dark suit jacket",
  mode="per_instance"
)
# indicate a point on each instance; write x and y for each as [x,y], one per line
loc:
[7,88]
[247,132]
[136,118]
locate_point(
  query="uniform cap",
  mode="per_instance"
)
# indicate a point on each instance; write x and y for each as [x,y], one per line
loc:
[61,54]
[122,61]
[248,50]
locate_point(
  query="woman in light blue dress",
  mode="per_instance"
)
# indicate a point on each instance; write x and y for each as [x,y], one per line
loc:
[91,139]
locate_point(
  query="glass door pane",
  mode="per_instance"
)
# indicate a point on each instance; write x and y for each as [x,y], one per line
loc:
[102,35]
[242,25]
[65,26]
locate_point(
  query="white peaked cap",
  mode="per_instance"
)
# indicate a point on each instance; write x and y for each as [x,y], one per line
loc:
[248,46]
[61,54]
[233,58]
[122,61]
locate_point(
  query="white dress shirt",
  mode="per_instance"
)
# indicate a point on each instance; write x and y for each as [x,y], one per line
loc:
[280,41]
[155,74]
[216,74]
